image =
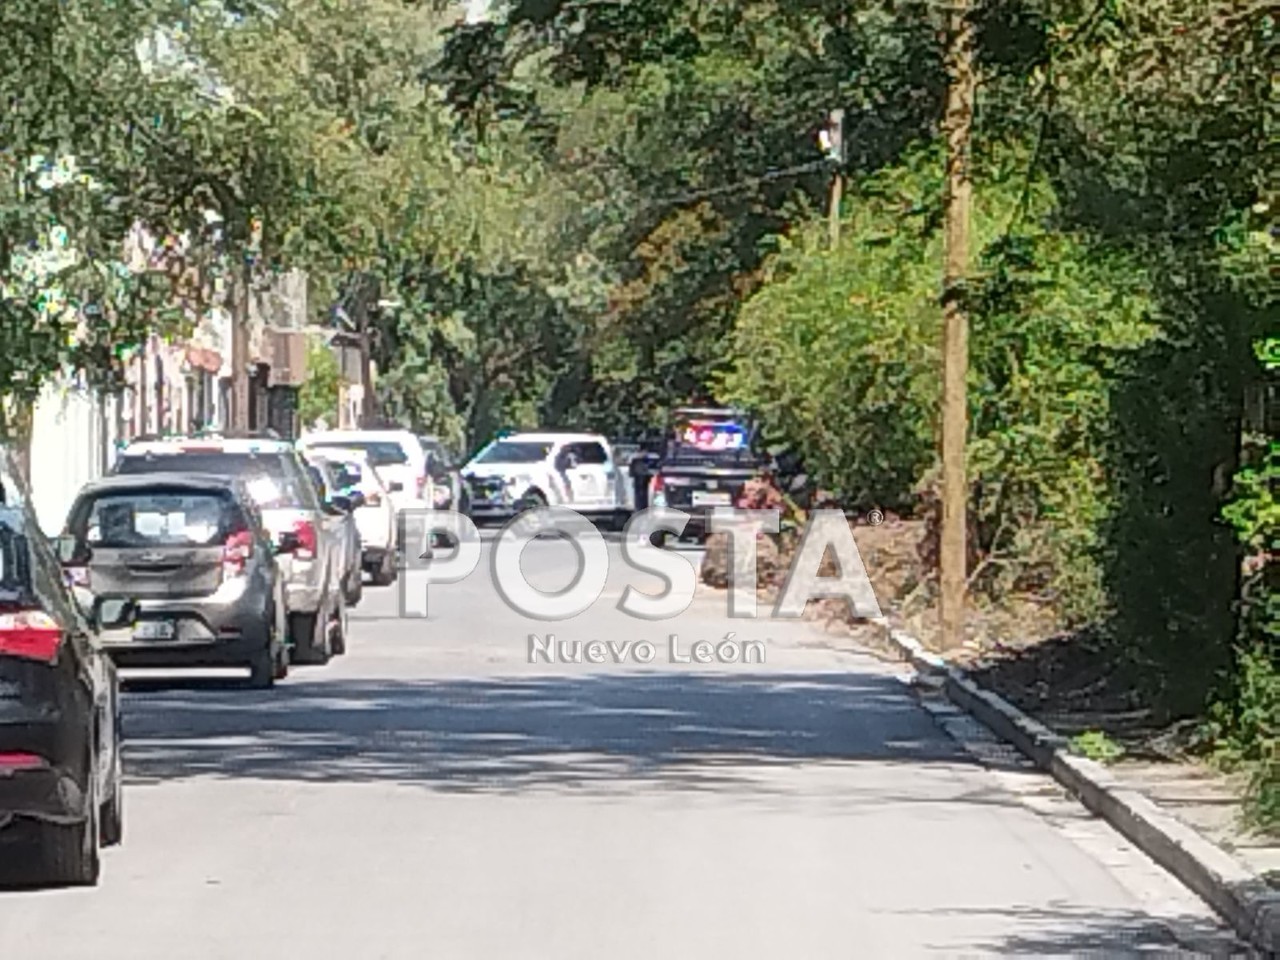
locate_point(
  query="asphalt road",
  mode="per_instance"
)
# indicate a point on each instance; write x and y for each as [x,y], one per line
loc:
[434,794]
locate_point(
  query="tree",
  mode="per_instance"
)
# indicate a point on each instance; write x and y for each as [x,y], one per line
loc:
[318,398]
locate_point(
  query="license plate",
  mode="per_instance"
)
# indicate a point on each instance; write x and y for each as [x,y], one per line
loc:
[704,498]
[153,630]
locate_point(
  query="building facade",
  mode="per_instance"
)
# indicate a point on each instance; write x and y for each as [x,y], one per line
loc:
[173,385]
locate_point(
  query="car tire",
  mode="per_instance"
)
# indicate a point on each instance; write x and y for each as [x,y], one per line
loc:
[263,667]
[355,587]
[309,645]
[70,852]
[660,539]
[384,574]
[281,663]
[338,629]
[111,816]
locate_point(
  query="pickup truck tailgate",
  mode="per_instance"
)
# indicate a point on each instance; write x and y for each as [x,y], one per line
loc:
[702,489]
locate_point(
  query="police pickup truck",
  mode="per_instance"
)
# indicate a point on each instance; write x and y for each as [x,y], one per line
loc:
[523,471]
[707,455]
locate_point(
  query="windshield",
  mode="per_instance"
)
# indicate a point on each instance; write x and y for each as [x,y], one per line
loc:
[514,451]
[156,518]
[269,480]
[381,453]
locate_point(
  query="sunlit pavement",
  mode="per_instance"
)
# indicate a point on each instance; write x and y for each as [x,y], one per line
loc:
[433,794]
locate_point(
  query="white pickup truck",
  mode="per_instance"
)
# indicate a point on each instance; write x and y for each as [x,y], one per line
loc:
[526,470]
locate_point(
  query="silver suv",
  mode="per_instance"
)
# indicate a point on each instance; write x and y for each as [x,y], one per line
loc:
[308,534]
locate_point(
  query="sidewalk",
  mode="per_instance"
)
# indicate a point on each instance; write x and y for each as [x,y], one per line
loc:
[1182,814]
[1208,802]
[1039,691]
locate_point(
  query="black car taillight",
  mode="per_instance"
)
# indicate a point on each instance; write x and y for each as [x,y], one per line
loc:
[15,761]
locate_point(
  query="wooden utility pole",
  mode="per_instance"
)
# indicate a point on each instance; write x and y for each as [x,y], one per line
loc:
[239,419]
[833,142]
[958,124]
[367,408]
[833,214]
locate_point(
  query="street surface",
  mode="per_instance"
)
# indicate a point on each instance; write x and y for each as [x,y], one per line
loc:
[432,794]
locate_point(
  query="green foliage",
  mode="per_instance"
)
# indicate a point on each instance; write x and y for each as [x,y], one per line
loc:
[318,398]
[1246,730]
[839,354]
[1245,722]
[1096,745]
[76,174]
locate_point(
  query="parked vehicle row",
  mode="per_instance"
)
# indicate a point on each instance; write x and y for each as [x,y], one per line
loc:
[197,551]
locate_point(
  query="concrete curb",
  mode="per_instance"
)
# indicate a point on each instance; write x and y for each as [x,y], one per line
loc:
[1243,899]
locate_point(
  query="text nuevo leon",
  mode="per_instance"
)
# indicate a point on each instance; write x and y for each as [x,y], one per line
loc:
[548,649]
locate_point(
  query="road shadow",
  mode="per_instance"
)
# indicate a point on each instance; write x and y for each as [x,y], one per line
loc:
[1065,931]
[698,731]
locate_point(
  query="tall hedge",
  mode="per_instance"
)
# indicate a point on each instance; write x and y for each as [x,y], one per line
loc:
[840,354]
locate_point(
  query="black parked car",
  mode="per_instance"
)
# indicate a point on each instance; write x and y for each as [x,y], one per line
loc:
[194,555]
[60,772]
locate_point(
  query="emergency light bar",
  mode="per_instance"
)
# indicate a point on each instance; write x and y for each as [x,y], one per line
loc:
[704,435]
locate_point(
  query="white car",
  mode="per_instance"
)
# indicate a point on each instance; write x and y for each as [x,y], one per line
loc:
[527,470]
[375,517]
[396,454]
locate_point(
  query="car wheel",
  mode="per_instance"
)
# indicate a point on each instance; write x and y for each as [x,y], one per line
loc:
[281,661]
[112,812]
[309,646]
[384,574]
[355,586]
[262,669]
[69,852]
[338,629]
[660,538]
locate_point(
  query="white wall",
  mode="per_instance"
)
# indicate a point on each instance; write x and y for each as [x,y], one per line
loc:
[67,449]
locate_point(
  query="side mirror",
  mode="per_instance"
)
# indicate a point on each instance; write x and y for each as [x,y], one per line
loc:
[357,499]
[340,504]
[68,550]
[288,542]
[112,614]
[395,486]
[84,601]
